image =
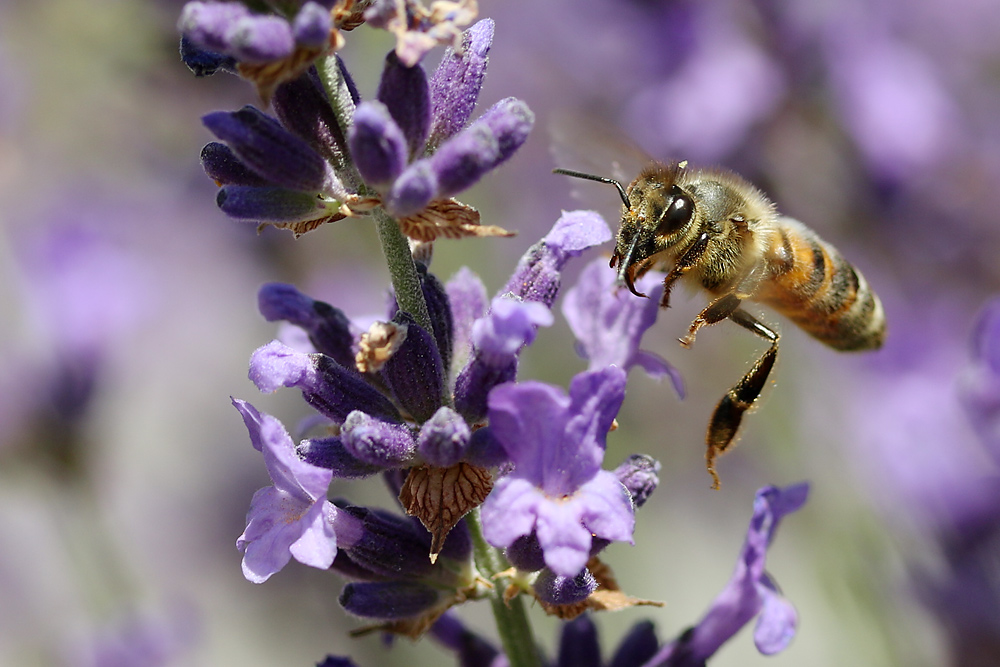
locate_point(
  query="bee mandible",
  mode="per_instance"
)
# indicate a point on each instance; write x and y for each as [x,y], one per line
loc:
[714,230]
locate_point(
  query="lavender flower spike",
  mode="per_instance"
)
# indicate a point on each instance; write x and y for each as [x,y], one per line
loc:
[292,518]
[750,592]
[558,488]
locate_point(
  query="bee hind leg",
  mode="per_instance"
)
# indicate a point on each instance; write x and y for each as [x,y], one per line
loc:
[728,414]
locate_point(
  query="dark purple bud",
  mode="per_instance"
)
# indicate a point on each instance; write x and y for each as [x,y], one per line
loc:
[638,646]
[325,384]
[473,385]
[638,474]
[203,62]
[269,149]
[443,438]
[209,24]
[348,569]
[302,106]
[439,308]
[336,661]
[555,589]
[462,160]
[579,645]
[388,601]
[457,81]
[472,650]
[381,443]
[377,144]
[458,544]
[245,202]
[415,188]
[331,454]
[261,39]
[328,328]
[414,373]
[511,121]
[311,26]
[389,545]
[526,553]
[223,167]
[404,92]
[485,450]
[348,81]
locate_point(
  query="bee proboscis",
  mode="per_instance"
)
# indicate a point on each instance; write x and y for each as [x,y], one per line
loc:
[714,230]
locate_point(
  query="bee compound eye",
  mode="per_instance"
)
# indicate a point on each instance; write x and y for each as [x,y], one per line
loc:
[677,213]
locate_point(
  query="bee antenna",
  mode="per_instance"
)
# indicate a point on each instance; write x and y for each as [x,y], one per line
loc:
[599,179]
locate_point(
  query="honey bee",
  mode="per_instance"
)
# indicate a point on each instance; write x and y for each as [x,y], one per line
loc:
[714,230]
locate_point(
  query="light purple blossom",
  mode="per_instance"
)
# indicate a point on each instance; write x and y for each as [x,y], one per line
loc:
[609,323]
[292,518]
[558,488]
[750,592]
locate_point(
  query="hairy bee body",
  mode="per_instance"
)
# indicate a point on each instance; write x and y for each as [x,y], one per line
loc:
[713,230]
[756,253]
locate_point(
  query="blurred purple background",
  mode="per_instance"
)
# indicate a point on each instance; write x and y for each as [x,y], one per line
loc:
[129,308]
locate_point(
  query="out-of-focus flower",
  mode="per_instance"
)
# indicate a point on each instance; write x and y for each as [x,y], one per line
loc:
[750,592]
[609,323]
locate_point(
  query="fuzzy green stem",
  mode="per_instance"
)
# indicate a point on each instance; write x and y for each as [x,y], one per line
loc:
[402,269]
[511,618]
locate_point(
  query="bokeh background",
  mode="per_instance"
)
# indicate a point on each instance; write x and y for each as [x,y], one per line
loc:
[128,316]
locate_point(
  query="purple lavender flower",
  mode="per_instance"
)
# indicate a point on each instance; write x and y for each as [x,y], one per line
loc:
[389,138]
[557,488]
[750,592]
[292,518]
[609,324]
[370,407]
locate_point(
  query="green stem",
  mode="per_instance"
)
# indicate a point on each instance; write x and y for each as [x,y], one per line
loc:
[511,618]
[402,269]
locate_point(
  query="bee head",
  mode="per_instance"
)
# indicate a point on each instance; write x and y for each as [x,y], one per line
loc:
[657,212]
[658,215]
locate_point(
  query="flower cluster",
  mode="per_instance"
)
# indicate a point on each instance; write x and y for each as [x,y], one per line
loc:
[502,478]
[328,155]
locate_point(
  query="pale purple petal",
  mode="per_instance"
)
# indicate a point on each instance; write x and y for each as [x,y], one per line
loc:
[317,546]
[606,507]
[564,540]
[526,418]
[268,536]
[575,231]
[777,622]
[510,510]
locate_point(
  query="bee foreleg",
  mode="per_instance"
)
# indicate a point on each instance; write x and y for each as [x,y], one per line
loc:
[725,421]
[685,263]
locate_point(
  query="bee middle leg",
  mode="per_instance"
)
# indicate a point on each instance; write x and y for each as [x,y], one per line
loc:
[728,414]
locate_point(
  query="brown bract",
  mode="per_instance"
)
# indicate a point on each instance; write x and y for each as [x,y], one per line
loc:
[440,497]
[447,218]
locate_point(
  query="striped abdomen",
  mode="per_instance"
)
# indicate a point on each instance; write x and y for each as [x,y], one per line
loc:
[814,286]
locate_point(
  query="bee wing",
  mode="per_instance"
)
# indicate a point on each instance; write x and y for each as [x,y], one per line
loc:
[593,145]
